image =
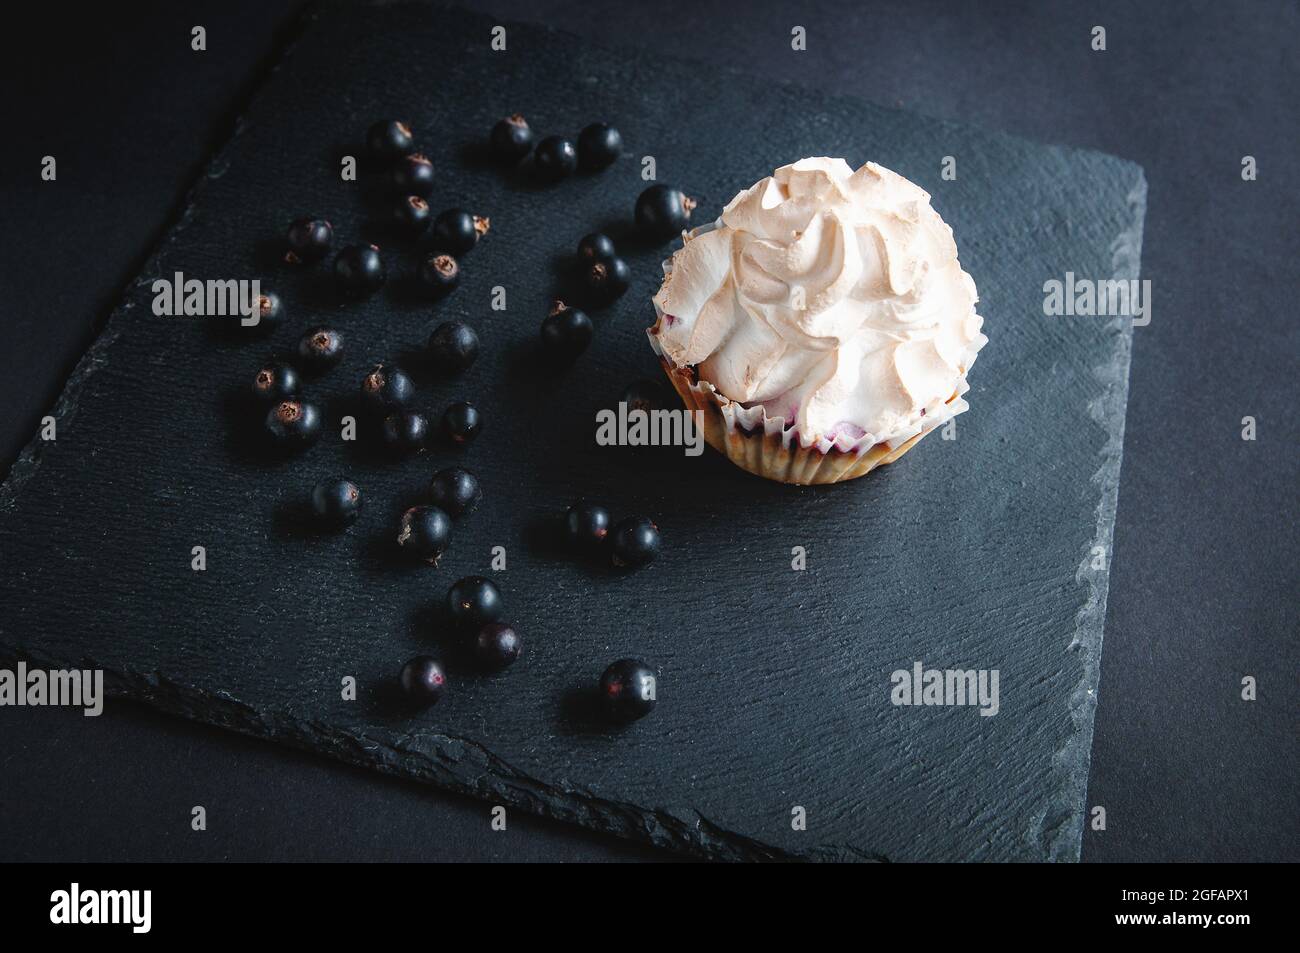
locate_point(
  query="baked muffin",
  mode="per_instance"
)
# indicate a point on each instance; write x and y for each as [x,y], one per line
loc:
[822,325]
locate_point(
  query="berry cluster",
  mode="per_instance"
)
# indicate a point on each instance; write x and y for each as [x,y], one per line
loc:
[602,276]
[627,688]
[455,231]
[630,543]
[474,607]
[387,394]
[293,423]
[386,391]
[555,157]
[424,531]
[290,423]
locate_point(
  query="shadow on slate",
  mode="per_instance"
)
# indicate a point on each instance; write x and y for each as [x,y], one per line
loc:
[774,684]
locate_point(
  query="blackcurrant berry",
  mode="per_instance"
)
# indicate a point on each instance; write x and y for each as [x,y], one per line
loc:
[309,240]
[453,347]
[336,503]
[386,388]
[663,212]
[634,542]
[598,146]
[456,231]
[388,139]
[566,332]
[645,395]
[461,422]
[413,175]
[268,313]
[496,645]
[423,680]
[293,424]
[424,533]
[405,431]
[607,280]
[628,689]
[320,349]
[555,158]
[596,247]
[275,382]
[586,526]
[511,139]
[455,491]
[360,269]
[411,215]
[473,601]
[440,274]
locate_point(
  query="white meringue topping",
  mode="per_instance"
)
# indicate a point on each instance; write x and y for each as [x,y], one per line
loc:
[831,298]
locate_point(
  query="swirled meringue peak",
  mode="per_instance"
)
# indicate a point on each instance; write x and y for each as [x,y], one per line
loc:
[832,300]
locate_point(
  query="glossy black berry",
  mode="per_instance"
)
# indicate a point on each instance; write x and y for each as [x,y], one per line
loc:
[360,269]
[473,602]
[555,158]
[456,231]
[440,274]
[645,395]
[586,526]
[423,680]
[293,424]
[598,146]
[511,139]
[628,689]
[411,215]
[336,503]
[455,491]
[566,332]
[268,311]
[388,139]
[496,645]
[386,388]
[320,349]
[424,533]
[634,542]
[663,212]
[453,347]
[405,431]
[461,422]
[413,175]
[275,382]
[308,240]
[607,280]
[596,247]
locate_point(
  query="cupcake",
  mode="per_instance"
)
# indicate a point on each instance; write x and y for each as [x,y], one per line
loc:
[822,325]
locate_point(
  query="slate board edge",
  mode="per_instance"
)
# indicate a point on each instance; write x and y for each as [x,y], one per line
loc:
[1060,836]
[450,762]
[1057,836]
[96,355]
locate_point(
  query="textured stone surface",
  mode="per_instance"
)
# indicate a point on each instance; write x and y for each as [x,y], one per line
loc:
[775,684]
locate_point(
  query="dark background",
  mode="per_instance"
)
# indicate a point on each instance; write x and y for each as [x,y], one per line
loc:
[1202,589]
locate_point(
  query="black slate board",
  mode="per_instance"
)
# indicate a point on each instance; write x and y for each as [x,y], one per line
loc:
[775,685]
